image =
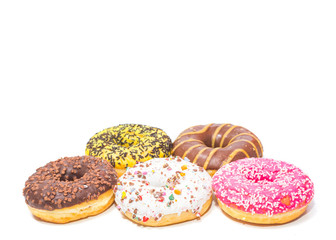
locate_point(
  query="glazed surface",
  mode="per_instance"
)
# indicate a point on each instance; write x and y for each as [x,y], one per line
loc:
[69,181]
[163,186]
[126,144]
[213,145]
[262,186]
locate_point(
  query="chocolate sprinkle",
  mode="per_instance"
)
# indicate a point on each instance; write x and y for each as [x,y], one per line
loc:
[115,144]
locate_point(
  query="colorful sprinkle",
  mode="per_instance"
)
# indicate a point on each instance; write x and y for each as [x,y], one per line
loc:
[178,192]
[161,199]
[171,197]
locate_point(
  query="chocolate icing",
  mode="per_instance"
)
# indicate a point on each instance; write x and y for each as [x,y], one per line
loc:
[69,181]
[213,145]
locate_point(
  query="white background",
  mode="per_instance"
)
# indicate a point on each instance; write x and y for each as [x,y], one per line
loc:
[69,69]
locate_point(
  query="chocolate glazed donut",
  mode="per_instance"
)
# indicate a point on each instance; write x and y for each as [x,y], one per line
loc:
[214,145]
[70,188]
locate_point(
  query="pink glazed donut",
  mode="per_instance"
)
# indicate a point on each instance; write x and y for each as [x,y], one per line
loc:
[264,191]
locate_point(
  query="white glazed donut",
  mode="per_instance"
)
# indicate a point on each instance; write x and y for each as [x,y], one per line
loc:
[164,191]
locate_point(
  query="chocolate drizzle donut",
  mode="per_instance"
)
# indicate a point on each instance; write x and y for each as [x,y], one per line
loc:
[213,145]
[68,182]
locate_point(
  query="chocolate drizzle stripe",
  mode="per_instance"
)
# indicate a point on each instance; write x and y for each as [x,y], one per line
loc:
[244,140]
[251,135]
[209,157]
[214,135]
[192,147]
[224,136]
[188,140]
[202,158]
[233,154]
[199,153]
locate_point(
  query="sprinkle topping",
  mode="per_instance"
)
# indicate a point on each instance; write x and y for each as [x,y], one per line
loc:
[69,181]
[164,190]
[126,144]
[262,186]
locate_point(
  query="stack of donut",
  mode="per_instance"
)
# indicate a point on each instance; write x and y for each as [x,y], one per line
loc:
[155,182]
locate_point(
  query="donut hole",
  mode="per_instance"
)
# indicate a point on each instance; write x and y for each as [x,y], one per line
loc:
[156,183]
[260,177]
[69,177]
[129,141]
[207,142]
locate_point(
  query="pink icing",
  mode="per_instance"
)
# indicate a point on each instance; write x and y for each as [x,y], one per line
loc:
[262,186]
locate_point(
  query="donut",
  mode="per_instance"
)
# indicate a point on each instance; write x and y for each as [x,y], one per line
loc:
[262,191]
[70,188]
[126,144]
[214,145]
[164,191]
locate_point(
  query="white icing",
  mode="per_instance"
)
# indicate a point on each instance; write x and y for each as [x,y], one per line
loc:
[154,182]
